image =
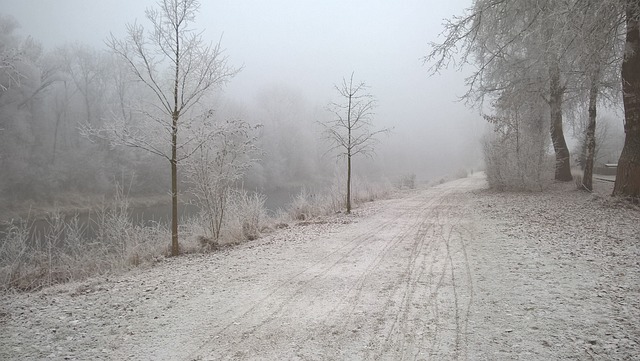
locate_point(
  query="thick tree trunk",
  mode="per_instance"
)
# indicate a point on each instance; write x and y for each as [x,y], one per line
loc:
[628,175]
[563,164]
[349,183]
[587,177]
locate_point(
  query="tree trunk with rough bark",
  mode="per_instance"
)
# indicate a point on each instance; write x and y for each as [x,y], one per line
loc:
[628,174]
[587,177]
[556,93]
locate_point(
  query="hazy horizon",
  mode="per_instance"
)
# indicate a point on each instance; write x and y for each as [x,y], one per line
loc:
[306,48]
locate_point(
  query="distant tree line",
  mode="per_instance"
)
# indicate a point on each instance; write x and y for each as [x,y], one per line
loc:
[48,98]
[45,98]
[76,121]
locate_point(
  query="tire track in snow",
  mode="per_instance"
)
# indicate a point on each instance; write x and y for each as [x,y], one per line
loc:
[412,260]
[307,276]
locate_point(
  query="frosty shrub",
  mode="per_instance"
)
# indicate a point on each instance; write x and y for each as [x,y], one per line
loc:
[246,215]
[305,205]
[407,181]
[517,164]
[516,151]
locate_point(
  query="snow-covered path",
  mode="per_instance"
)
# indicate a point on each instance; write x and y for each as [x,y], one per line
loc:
[391,286]
[450,272]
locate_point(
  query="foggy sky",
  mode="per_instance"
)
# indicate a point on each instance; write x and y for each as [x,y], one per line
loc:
[308,46]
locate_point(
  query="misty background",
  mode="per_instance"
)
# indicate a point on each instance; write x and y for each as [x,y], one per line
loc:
[101,150]
[292,53]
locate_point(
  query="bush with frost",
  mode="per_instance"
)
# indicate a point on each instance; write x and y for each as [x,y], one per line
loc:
[516,154]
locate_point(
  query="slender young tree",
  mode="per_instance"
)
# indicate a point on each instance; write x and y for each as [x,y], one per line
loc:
[350,129]
[179,68]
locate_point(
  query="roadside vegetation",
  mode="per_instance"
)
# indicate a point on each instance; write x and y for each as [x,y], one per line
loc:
[35,254]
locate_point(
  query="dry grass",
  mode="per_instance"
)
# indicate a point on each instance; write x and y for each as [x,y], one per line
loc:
[59,249]
[247,215]
[307,205]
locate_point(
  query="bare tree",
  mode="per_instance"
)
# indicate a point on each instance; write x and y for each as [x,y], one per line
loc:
[518,49]
[350,131]
[179,68]
[492,31]
[11,54]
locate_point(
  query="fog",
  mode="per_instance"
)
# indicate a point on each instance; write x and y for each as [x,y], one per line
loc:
[292,53]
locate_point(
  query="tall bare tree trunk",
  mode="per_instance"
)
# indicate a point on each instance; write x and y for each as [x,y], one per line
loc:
[352,134]
[587,177]
[556,93]
[349,146]
[628,175]
[175,248]
[348,183]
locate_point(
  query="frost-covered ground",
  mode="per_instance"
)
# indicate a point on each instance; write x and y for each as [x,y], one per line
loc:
[450,272]
[558,276]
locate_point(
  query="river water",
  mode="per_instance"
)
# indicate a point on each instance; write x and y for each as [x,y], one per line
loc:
[142,215]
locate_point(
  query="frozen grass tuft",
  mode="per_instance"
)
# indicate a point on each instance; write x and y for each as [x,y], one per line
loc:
[247,215]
